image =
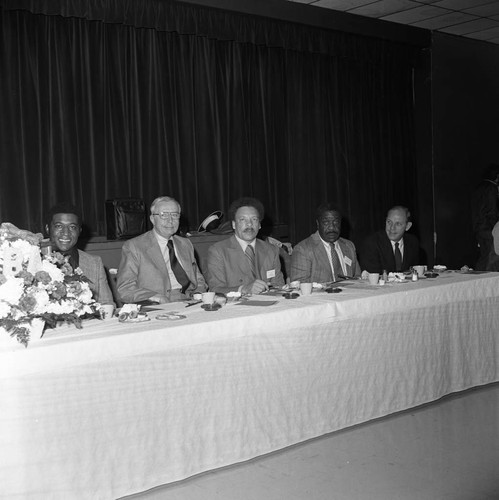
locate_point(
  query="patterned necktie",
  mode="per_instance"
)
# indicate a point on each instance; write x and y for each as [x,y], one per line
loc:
[398,258]
[250,254]
[337,270]
[177,269]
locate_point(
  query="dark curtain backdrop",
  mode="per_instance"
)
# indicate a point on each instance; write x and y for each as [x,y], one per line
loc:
[111,99]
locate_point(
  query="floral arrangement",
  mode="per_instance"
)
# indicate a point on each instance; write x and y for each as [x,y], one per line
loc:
[35,285]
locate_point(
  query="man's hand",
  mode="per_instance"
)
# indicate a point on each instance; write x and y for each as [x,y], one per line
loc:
[258,286]
[160,299]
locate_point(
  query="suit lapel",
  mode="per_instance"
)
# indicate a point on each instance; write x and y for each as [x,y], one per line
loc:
[238,257]
[345,252]
[154,252]
[388,249]
[183,251]
[321,253]
[260,259]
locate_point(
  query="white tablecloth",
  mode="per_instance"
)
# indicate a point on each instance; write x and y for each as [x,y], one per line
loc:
[115,409]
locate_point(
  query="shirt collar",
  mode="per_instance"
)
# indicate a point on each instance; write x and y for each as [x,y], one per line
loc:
[326,243]
[161,239]
[400,242]
[244,243]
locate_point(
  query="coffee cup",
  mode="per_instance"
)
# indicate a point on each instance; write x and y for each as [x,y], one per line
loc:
[306,288]
[220,299]
[106,311]
[373,278]
[208,298]
[420,270]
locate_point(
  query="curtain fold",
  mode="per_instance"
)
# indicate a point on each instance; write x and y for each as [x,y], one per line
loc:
[111,99]
[189,19]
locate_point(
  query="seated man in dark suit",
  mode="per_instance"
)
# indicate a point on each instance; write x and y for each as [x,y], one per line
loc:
[159,265]
[243,262]
[391,250]
[324,256]
[64,228]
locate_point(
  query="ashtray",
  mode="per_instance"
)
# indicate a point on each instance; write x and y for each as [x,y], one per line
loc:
[125,317]
[211,307]
[333,290]
[431,275]
[290,295]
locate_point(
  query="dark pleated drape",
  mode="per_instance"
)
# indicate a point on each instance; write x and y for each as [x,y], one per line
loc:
[113,99]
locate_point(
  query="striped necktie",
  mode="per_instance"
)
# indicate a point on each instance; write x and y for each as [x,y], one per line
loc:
[337,270]
[250,254]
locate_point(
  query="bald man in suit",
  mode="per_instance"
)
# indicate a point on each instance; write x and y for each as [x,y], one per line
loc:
[378,253]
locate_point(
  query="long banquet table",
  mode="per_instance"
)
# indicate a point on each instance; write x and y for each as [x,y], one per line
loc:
[118,408]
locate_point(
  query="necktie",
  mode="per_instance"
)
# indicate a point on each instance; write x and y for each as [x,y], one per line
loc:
[337,270]
[250,254]
[177,269]
[398,258]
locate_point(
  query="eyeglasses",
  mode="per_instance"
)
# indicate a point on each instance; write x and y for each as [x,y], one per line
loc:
[168,215]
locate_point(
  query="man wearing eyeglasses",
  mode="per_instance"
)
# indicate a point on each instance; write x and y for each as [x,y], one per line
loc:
[394,249]
[159,265]
[325,256]
[243,263]
[64,228]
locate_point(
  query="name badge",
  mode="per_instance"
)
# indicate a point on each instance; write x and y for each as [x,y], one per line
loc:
[271,274]
[348,261]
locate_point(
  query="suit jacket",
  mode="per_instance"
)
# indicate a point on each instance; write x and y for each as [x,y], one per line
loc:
[92,268]
[310,262]
[143,273]
[377,253]
[229,268]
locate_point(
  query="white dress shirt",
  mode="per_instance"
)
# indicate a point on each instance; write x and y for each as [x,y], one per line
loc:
[327,246]
[401,247]
[163,244]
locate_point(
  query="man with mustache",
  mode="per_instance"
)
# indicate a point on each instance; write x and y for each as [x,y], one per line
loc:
[324,256]
[391,250]
[64,228]
[243,263]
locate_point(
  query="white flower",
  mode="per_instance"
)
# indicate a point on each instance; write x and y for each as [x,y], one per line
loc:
[22,247]
[12,290]
[42,301]
[4,309]
[54,272]
[63,307]
[86,295]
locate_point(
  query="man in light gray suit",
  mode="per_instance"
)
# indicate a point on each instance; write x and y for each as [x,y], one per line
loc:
[242,262]
[64,228]
[324,256]
[159,265]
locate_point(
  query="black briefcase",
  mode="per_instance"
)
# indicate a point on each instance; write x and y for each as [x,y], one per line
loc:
[125,218]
